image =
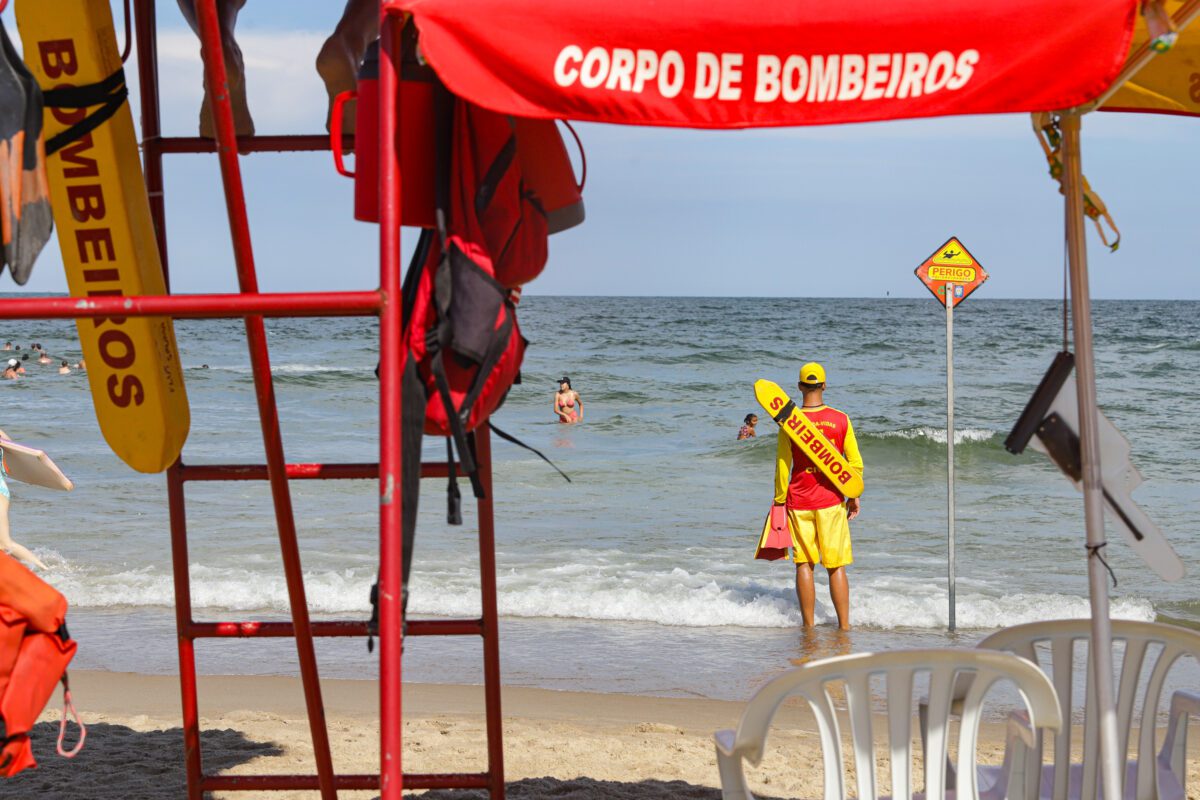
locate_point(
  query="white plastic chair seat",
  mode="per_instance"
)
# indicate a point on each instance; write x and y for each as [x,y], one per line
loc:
[1168,785]
[1150,650]
[898,669]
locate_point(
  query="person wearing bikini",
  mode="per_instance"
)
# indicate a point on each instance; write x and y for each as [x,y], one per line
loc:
[568,405]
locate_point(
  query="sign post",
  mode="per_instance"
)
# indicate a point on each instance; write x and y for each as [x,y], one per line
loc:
[950,446]
[951,274]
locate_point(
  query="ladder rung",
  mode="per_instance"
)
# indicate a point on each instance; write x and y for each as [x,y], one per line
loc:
[299,472]
[197,306]
[445,627]
[259,783]
[246,144]
[450,780]
[248,629]
[255,629]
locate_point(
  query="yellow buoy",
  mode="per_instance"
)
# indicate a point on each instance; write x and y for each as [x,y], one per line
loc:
[105,232]
[808,437]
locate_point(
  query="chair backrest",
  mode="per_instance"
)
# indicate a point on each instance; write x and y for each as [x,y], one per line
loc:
[898,669]
[1136,658]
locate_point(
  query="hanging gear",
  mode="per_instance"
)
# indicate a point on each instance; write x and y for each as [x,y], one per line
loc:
[26,219]
[1047,129]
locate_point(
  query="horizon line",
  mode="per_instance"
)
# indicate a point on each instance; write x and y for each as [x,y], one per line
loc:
[4,294]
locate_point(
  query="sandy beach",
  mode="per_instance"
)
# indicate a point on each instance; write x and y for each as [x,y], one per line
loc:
[557,744]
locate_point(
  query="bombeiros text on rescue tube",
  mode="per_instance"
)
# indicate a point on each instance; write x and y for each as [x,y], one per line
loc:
[792,79]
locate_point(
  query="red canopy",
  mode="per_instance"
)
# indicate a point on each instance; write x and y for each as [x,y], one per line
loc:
[747,64]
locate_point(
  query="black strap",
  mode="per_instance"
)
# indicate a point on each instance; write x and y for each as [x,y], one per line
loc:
[510,438]
[458,431]
[496,172]
[785,412]
[93,94]
[453,495]
[1094,552]
[412,277]
[443,114]
[412,425]
[110,94]
[373,622]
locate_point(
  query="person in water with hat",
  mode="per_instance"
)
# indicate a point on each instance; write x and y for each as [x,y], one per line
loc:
[818,514]
[565,401]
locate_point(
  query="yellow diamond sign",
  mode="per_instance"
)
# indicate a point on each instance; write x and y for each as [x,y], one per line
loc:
[951,268]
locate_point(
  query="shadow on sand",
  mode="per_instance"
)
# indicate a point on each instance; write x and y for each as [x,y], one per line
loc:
[120,762]
[588,789]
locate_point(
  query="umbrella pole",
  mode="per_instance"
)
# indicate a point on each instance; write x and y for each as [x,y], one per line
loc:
[1100,651]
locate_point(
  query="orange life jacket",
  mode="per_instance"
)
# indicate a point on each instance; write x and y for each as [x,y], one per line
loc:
[35,649]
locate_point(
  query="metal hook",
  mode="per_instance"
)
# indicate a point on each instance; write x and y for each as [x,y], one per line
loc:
[128,33]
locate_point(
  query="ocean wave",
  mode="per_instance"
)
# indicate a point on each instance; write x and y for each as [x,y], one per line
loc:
[758,450]
[672,597]
[345,591]
[684,599]
[296,369]
[929,435]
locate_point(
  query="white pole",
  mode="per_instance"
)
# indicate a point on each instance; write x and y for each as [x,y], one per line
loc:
[950,444]
[1112,762]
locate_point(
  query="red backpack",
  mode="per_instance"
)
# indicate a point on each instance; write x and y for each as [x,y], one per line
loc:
[460,293]
[500,185]
[35,649]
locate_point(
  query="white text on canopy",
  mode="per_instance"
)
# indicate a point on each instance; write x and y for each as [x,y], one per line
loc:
[793,79]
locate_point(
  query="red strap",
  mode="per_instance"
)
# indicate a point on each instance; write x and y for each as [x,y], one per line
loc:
[335,131]
[69,707]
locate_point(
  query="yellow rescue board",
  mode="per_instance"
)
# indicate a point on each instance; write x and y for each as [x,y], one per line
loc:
[807,436]
[107,238]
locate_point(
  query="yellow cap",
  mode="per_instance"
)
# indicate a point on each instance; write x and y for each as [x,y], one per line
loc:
[812,373]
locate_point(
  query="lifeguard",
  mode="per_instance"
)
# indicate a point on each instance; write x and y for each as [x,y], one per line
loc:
[818,513]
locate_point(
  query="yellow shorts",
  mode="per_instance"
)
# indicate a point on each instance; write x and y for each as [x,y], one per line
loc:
[821,534]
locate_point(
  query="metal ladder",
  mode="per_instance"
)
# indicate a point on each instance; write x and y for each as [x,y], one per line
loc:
[253,306]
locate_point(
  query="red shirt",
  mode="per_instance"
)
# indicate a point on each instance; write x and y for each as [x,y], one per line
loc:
[808,488]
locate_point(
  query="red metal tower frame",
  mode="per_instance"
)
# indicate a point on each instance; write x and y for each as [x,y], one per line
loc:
[253,306]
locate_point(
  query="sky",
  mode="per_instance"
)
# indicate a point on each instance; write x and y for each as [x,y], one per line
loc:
[839,211]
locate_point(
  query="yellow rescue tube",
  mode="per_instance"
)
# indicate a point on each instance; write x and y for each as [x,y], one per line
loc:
[809,438]
[106,236]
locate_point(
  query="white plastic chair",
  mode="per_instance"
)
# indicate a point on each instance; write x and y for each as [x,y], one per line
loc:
[899,668]
[1149,648]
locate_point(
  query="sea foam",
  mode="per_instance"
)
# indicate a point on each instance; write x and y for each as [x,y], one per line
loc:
[672,597]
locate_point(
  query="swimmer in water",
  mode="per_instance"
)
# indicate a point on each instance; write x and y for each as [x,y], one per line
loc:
[565,401]
[10,369]
[6,542]
[44,358]
[747,429]
[7,346]
[64,368]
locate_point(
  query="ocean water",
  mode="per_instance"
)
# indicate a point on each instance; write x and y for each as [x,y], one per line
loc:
[639,575]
